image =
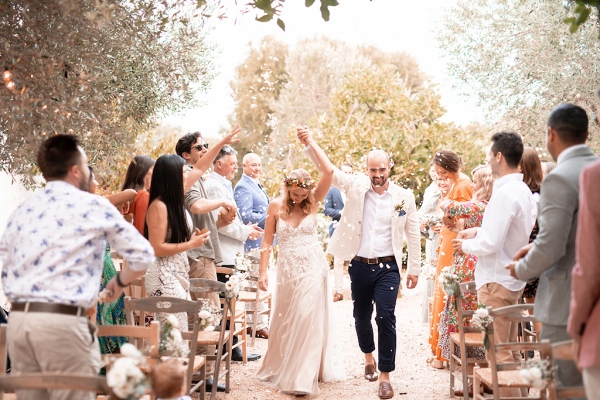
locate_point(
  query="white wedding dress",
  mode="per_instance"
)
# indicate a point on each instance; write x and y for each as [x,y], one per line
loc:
[303,344]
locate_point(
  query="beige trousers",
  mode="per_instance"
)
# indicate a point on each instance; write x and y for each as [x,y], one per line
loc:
[44,342]
[204,268]
[591,380]
[497,296]
[338,274]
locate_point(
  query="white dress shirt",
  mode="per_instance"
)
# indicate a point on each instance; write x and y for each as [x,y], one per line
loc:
[233,236]
[376,235]
[507,223]
[568,150]
[52,250]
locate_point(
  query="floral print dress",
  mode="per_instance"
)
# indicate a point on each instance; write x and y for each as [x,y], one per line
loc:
[464,266]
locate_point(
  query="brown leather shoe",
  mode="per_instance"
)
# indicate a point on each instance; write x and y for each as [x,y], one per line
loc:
[385,390]
[371,372]
[261,333]
[338,297]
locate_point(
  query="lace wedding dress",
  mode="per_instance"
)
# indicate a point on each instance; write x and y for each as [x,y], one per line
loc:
[303,345]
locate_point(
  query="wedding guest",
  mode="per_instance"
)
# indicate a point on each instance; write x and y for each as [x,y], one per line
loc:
[332,207]
[168,380]
[547,167]
[531,168]
[231,237]
[459,216]
[584,316]
[428,210]
[551,256]
[204,260]
[169,229]
[251,198]
[448,166]
[138,178]
[506,226]
[51,253]
[110,313]
[253,202]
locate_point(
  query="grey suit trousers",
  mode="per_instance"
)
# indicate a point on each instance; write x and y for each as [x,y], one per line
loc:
[567,372]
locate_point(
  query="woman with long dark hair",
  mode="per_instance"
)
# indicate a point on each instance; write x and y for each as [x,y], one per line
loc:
[138,178]
[533,174]
[168,227]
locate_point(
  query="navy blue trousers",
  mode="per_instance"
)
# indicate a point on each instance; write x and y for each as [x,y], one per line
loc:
[375,283]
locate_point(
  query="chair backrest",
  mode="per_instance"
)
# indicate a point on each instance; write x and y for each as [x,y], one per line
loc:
[150,333]
[464,289]
[515,314]
[53,381]
[3,349]
[169,305]
[564,351]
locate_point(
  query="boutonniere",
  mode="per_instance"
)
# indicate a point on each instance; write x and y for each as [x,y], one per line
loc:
[399,208]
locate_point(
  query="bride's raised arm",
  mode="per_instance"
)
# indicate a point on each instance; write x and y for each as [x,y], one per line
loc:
[323,164]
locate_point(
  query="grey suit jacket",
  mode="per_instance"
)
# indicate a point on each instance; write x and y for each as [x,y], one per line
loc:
[553,254]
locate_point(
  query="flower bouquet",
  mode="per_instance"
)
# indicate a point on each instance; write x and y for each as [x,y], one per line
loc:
[125,378]
[171,342]
[537,373]
[207,316]
[482,320]
[450,280]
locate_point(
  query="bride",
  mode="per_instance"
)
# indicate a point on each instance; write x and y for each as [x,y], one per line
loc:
[303,347]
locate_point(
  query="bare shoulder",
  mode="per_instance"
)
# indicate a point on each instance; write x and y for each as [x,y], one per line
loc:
[157,207]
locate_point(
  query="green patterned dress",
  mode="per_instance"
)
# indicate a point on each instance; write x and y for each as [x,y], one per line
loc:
[110,313]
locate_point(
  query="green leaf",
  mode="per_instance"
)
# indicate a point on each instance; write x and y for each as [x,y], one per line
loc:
[281,24]
[265,18]
[309,3]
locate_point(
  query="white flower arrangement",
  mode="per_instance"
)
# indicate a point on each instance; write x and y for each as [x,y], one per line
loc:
[537,373]
[428,270]
[482,320]
[242,264]
[234,283]
[449,279]
[125,378]
[208,316]
[171,342]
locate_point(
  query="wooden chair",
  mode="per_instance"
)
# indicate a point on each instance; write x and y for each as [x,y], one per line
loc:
[238,315]
[506,375]
[53,381]
[138,335]
[564,351]
[171,305]
[218,337]
[253,295]
[466,336]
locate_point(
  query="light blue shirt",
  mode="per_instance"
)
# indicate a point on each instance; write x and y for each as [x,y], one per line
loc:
[52,250]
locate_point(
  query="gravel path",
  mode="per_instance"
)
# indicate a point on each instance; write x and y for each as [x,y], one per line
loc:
[412,379]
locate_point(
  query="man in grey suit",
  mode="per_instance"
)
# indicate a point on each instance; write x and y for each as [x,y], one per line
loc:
[551,256]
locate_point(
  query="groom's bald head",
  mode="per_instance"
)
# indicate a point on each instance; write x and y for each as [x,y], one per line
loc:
[380,155]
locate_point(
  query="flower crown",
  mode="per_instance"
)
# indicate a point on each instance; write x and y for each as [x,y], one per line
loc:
[299,183]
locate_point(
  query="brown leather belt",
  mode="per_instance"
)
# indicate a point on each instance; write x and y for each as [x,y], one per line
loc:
[374,260]
[48,308]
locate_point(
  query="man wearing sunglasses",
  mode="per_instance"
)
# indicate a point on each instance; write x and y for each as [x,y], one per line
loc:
[204,260]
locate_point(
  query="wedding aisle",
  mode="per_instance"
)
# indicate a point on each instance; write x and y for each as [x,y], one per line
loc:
[413,378]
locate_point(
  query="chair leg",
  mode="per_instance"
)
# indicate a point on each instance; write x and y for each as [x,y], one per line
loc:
[245,339]
[451,368]
[203,377]
[228,366]
[476,385]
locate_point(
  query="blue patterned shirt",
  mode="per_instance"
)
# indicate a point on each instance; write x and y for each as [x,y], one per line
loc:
[52,250]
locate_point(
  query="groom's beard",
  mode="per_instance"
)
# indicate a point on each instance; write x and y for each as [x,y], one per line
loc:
[379,181]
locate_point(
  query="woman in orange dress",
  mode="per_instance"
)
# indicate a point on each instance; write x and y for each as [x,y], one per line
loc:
[448,166]
[138,178]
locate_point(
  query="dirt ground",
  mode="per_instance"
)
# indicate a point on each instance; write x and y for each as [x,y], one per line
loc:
[412,379]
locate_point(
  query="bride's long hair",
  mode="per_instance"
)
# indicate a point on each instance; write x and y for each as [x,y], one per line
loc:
[287,204]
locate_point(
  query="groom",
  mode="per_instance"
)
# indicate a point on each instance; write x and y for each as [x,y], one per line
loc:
[377,215]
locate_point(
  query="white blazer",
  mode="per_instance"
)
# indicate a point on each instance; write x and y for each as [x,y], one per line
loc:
[233,236]
[346,239]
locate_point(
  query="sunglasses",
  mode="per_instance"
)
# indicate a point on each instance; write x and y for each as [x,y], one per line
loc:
[200,146]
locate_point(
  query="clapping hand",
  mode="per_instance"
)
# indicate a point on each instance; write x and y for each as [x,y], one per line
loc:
[230,137]
[457,245]
[256,232]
